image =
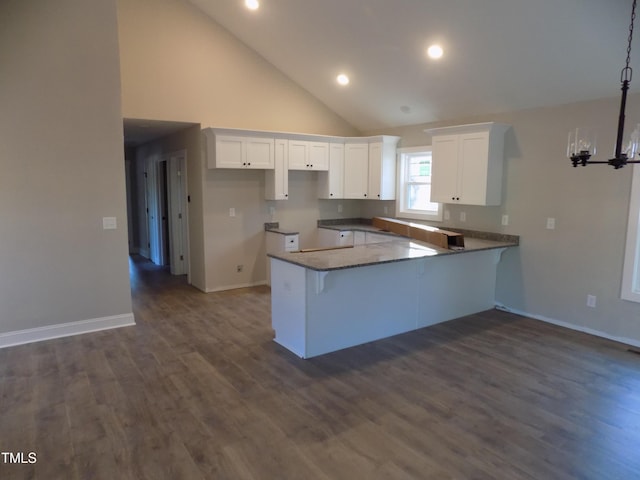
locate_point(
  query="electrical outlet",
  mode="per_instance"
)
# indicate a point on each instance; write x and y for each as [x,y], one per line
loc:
[239,268]
[447,215]
[505,220]
[463,216]
[339,208]
[591,301]
[385,209]
[551,223]
[232,212]
[272,211]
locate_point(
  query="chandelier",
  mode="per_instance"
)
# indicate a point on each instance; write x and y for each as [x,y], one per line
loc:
[582,142]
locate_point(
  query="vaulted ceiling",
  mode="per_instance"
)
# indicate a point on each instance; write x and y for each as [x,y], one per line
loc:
[500,55]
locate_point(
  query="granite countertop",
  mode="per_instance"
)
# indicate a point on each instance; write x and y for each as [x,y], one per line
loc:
[397,249]
[274,227]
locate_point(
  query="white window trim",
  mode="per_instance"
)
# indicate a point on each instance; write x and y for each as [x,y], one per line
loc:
[631,271]
[401,211]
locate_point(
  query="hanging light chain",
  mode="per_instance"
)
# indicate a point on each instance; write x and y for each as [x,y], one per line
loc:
[627,71]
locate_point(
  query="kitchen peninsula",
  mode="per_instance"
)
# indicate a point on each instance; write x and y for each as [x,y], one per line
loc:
[330,299]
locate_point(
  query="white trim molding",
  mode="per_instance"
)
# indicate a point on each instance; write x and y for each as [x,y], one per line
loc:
[235,287]
[626,340]
[50,332]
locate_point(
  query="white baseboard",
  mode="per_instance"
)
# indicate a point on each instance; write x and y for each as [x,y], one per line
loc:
[628,341]
[49,332]
[234,287]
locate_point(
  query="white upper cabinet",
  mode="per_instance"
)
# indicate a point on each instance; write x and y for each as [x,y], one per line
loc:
[356,169]
[227,149]
[331,182]
[467,164]
[308,155]
[277,180]
[370,168]
[382,168]
[348,167]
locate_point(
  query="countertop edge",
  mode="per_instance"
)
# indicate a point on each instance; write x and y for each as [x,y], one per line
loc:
[286,257]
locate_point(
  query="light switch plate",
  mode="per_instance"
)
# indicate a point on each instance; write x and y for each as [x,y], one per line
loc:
[232,212]
[109,223]
[551,223]
[505,220]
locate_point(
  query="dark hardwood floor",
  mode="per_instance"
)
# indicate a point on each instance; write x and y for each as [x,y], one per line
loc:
[198,390]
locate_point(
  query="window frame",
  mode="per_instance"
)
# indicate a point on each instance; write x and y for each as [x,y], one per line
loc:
[401,199]
[631,271]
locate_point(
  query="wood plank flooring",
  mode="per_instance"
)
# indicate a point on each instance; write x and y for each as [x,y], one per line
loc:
[198,390]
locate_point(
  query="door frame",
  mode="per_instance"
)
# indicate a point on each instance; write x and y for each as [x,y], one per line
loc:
[178,212]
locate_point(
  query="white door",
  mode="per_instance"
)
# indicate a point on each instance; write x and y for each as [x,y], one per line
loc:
[154,215]
[178,225]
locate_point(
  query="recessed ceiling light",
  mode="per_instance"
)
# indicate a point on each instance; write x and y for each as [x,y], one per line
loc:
[342,79]
[251,4]
[435,51]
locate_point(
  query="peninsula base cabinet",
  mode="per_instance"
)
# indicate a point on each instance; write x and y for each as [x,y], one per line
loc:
[467,164]
[317,312]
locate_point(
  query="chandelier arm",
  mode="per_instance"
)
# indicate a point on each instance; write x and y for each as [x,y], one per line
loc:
[621,118]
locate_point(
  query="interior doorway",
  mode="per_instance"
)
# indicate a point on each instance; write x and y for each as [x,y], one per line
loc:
[167,215]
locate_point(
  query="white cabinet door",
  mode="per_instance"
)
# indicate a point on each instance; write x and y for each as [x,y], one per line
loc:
[318,156]
[382,170]
[306,155]
[444,169]
[242,152]
[473,168]
[356,170]
[259,153]
[229,152]
[467,164]
[331,182]
[277,180]
[298,154]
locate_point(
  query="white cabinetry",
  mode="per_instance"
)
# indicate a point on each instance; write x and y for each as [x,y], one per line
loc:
[382,168]
[370,168]
[277,180]
[278,242]
[232,150]
[331,182]
[308,155]
[328,237]
[356,170]
[467,164]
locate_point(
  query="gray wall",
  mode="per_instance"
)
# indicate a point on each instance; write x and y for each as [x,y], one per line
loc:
[552,272]
[62,164]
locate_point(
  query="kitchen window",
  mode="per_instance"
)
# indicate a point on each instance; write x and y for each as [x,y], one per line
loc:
[414,185]
[631,272]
